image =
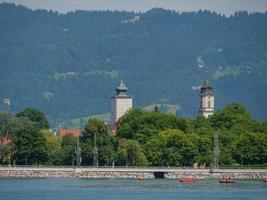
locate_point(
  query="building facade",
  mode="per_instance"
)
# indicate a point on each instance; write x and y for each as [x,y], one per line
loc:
[206,95]
[120,104]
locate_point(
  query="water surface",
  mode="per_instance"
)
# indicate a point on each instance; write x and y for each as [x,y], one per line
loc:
[127,189]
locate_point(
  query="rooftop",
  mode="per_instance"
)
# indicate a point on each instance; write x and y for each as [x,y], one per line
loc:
[74,132]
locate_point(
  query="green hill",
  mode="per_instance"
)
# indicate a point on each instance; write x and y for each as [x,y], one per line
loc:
[67,65]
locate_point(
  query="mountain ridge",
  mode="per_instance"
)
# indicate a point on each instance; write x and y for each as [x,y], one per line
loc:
[68,65]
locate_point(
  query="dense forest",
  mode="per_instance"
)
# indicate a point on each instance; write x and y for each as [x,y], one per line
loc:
[67,65]
[143,138]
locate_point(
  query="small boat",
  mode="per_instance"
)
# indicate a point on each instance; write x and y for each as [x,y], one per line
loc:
[141,178]
[188,180]
[226,180]
[265,180]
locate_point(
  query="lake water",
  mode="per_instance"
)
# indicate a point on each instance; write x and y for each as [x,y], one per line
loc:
[128,189]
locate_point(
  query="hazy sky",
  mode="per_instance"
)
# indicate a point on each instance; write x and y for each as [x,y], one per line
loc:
[221,6]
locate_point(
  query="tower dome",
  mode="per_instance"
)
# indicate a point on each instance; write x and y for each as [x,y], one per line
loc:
[121,89]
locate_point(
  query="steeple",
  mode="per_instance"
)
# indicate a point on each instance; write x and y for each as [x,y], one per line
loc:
[206,107]
[206,82]
[206,89]
[121,89]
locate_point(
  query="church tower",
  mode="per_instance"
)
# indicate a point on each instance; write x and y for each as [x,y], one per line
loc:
[206,107]
[120,104]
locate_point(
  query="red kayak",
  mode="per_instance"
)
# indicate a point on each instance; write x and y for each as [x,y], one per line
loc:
[188,180]
[265,180]
[227,180]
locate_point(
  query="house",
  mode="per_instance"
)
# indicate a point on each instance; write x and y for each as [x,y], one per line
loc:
[73,132]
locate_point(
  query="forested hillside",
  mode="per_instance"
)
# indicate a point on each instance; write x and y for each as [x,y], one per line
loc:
[67,65]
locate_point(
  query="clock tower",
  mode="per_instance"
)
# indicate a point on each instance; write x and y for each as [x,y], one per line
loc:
[206,107]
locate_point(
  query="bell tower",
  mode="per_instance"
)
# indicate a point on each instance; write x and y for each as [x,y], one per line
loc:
[206,107]
[120,104]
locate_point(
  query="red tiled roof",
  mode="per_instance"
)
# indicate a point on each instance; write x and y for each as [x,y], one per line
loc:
[73,132]
[6,140]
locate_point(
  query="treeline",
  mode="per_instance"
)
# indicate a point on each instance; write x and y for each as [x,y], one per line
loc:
[173,141]
[143,138]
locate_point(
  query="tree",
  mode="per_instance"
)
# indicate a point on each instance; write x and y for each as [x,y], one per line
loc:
[227,139]
[37,117]
[204,145]
[259,126]
[202,126]
[96,129]
[142,125]
[129,153]
[5,153]
[251,148]
[5,123]
[53,147]
[6,143]
[231,116]
[171,148]
[68,149]
[29,144]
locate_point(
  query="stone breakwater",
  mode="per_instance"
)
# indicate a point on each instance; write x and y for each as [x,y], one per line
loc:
[147,173]
[219,174]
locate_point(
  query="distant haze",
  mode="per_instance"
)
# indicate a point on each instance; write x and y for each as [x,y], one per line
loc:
[226,7]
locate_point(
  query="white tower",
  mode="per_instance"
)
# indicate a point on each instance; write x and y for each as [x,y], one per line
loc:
[206,107]
[120,104]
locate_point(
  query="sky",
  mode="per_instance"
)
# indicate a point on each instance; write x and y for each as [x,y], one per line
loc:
[226,7]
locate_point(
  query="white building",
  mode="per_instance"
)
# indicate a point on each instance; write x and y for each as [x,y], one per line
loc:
[120,104]
[206,107]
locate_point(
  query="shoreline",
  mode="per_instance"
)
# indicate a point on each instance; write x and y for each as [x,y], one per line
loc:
[124,173]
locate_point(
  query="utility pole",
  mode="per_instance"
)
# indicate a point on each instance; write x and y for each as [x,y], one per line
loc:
[95,151]
[216,150]
[78,152]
